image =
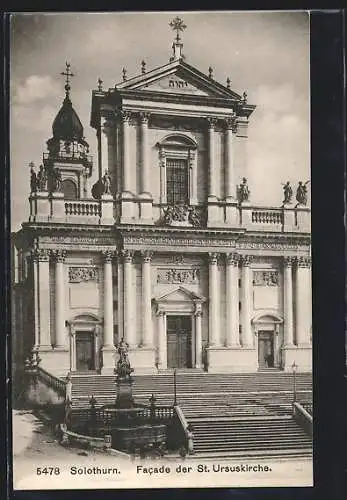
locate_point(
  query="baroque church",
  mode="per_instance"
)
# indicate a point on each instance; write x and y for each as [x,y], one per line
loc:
[166,250]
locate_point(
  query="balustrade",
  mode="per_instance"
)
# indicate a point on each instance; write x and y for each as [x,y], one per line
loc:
[267,217]
[82,208]
[54,382]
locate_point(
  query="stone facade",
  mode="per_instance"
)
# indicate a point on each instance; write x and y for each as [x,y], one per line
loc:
[212,283]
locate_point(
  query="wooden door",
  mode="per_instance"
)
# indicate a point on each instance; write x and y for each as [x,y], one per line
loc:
[85,351]
[265,350]
[179,341]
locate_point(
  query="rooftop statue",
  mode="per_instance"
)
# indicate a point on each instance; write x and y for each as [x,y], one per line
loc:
[42,178]
[33,178]
[301,193]
[243,191]
[106,183]
[288,192]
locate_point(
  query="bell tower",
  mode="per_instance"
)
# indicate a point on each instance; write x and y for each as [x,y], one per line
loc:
[67,162]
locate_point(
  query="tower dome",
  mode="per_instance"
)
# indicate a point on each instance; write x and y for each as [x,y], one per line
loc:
[67,125]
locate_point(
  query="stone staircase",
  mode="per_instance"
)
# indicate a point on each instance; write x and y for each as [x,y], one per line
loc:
[251,437]
[231,414]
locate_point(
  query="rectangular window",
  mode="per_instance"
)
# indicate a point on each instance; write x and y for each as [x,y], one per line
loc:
[176,181]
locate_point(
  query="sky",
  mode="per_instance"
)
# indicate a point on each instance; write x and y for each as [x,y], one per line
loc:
[265,54]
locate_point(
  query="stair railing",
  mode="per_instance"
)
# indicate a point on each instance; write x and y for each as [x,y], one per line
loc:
[57,384]
[303,418]
[183,435]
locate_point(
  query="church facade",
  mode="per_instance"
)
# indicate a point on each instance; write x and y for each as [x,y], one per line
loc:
[166,249]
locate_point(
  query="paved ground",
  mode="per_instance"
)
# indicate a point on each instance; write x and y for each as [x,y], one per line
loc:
[40,462]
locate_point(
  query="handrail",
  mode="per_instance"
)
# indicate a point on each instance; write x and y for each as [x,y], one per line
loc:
[54,382]
[183,424]
[303,418]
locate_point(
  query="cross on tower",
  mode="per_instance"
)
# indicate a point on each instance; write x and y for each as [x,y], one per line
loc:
[177,25]
[67,73]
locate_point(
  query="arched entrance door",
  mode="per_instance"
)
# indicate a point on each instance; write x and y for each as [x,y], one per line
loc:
[266,329]
[85,343]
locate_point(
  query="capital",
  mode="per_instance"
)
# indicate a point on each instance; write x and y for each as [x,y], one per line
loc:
[246,260]
[128,256]
[288,261]
[198,310]
[212,122]
[232,259]
[213,258]
[230,123]
[40,254]
[59,255]
[108,255]
[146,256]
[125,115]
[303,261]
[144,117]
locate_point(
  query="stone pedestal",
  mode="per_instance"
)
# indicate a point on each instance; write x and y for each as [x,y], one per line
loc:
[107,209]
[288,217]
[143,360]
[146,206]
[108,360]
[213,212]
[58,207]
[127,207]
[303,218]
[301,355]
[231,212]
[245,214]
[232,360]
[41,207]
[55,361]
[124,393]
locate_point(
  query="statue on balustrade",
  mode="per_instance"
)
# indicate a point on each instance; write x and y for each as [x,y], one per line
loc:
[288,192]
[55,180]
[243,191]
[106,183]
[123,369]
[42,178]
[301,193]
[33,178]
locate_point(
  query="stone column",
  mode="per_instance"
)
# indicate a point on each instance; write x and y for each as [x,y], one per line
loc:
[162,362]
[162,163]
[129,299]
[212,184]
[147,330]
[230,188]
[246,284]
[104,146]
[44,306]
[214,301]
[145,172]
[126,115]
[108,299]
[232,300]
[60,339]
[72,347]
[288,302]
[198,336]
[303,300]
[35,268]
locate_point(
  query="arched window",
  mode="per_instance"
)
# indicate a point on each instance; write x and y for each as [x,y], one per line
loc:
[177,181]
[178,160]
[69,189]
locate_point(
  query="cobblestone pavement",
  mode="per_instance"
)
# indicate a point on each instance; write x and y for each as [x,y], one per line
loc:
[40,462]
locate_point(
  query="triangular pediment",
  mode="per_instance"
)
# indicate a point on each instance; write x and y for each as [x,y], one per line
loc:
[178,78]
[180,294]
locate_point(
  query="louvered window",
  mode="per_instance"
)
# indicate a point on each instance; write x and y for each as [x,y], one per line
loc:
[176,181]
